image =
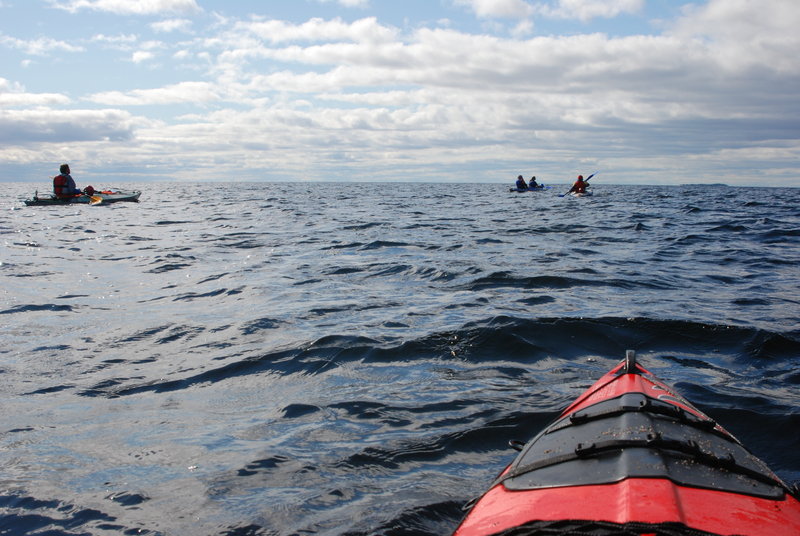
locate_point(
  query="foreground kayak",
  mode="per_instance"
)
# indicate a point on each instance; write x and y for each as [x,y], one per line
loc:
[105,196]
[632,457]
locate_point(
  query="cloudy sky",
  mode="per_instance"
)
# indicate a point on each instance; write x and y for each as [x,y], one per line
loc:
[644,91]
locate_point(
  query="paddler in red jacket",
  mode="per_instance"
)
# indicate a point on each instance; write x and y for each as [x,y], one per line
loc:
[63,184]
[579,187]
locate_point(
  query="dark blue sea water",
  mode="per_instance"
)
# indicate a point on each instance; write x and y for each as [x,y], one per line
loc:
[327,359]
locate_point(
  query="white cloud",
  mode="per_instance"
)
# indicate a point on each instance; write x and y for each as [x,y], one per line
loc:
[746,35]
[522,29]
[39,47]
[8,86]
[122,42]
[586,10]
[141,56]
[63,126]
[129,7]
[512,9]
[319,30]
[348,3]
[122,39]
[14,95]
[172,25]
[145,52]
[183,92]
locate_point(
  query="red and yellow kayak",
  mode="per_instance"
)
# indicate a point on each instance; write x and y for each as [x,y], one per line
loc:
[632,457]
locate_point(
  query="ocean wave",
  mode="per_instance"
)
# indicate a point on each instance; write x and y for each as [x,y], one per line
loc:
[276,361]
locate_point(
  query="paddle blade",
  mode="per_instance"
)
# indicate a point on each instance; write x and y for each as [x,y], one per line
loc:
[95,200]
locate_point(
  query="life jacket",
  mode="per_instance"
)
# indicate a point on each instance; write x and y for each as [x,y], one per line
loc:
[579,187]
[60,186]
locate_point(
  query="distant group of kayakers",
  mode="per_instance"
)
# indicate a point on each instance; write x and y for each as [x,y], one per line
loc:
[64,184]
[522,185]
[578,187]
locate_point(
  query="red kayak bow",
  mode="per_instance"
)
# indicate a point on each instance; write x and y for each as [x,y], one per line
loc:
[632,457]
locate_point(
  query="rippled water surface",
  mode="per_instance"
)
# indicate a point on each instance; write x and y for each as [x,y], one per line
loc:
[331,359]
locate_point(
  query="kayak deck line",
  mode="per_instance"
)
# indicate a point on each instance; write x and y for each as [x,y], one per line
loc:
[588,528]
[630,450]
[643,444]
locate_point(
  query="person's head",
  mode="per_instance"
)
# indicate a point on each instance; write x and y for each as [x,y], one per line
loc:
[580,177]
[519,177]
[533,178]
[64,168]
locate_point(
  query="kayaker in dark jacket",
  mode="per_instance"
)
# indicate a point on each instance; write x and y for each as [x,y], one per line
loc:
[533,183]
[580,186]
[521,183]
[63,184]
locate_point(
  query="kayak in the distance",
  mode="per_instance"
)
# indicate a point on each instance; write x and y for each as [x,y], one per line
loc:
[580,187]
[97,197]
[632,457]
[587,193]
[535,189]
[521,186]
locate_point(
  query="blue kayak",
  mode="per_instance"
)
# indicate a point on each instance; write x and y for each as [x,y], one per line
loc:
[537,189]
